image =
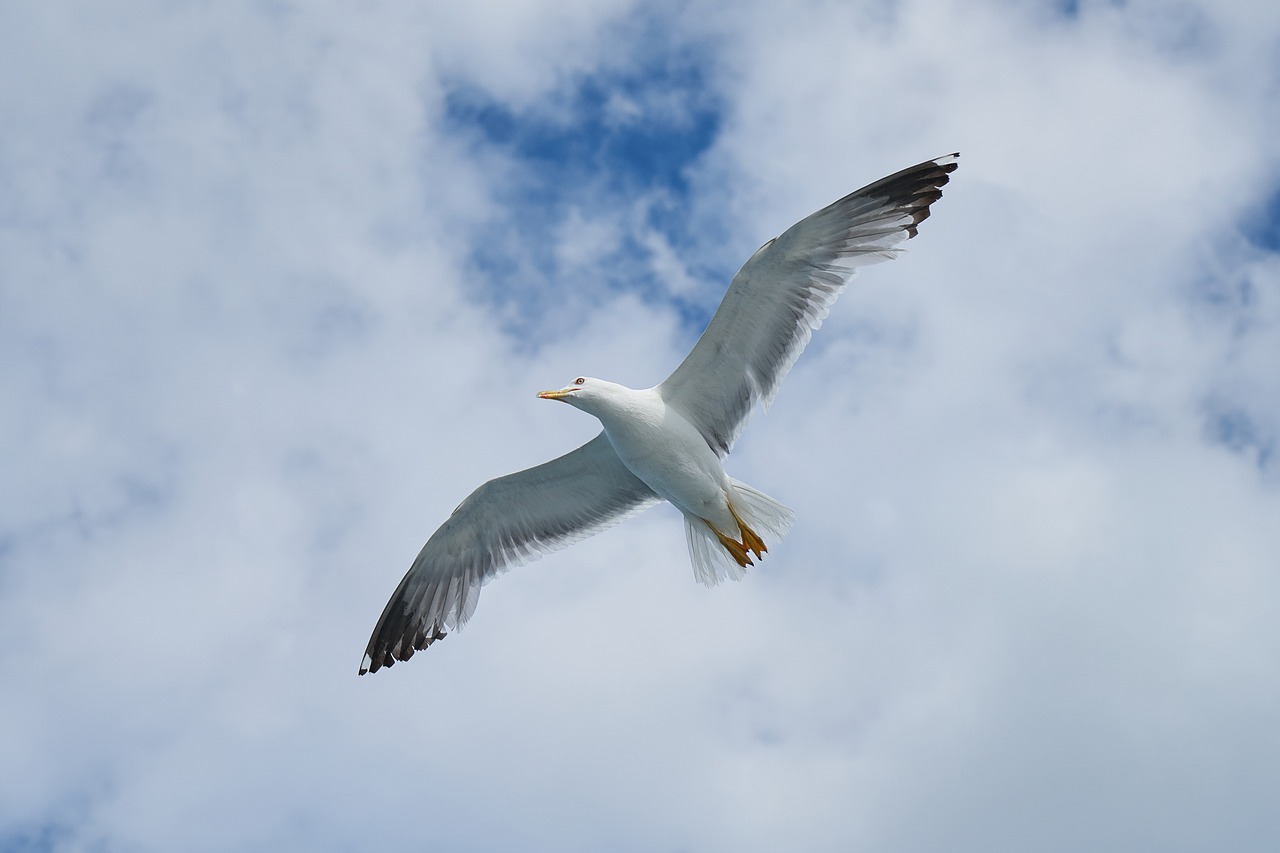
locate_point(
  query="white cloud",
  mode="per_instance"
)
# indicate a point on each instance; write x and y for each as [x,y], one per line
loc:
[1030,600]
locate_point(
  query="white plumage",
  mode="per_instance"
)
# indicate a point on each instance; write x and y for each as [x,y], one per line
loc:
[667,442]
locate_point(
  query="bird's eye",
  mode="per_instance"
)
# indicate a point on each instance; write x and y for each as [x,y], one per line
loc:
[579,381]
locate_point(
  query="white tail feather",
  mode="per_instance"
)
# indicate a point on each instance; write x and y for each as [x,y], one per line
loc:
[761,513]
[712,563]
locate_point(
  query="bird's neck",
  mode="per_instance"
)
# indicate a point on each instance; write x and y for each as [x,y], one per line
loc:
[623,406]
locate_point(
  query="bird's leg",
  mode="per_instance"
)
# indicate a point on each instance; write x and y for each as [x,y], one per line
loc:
[751,541]
[737,549]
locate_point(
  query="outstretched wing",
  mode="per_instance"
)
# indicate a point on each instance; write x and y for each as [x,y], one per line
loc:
[784,292]
[505,522]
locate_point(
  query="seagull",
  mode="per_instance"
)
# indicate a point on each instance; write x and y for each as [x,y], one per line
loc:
[667,442]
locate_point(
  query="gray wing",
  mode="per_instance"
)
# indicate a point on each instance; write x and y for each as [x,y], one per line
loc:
[784,292]
[505,522]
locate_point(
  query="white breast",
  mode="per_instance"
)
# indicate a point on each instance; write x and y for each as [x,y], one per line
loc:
[667,452]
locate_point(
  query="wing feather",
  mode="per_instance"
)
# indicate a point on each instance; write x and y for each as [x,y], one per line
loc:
[506,522]
[784,292]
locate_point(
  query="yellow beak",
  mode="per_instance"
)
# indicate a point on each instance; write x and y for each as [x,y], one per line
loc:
[555,395]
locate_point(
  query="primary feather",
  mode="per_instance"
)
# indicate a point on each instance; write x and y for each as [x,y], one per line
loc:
[507,521]
[784,292]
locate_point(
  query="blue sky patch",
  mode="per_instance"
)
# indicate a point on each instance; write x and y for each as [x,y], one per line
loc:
[601,148]
[622,130]
[1236,430]
[35,840]
[1262,229]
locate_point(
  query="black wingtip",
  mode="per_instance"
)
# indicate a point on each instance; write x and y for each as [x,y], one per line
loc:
[381,653]
[915,188]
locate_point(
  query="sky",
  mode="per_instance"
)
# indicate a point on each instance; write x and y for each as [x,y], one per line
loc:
[279,282]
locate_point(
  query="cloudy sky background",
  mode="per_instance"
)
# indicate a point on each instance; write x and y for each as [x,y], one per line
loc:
[278,283]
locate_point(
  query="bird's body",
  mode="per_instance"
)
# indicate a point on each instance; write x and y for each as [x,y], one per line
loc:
[658,443]
[666,452]
[667,442]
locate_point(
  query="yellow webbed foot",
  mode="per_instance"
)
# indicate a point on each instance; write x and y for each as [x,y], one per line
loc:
[737,549]
[751,541]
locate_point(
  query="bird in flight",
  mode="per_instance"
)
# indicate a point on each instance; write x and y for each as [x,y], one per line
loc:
[667,442]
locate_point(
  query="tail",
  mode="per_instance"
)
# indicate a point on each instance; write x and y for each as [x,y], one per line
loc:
[715,558]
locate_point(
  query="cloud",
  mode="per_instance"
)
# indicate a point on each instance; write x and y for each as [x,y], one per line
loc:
[277,285]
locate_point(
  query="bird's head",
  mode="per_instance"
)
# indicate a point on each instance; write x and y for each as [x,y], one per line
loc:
[583,393]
